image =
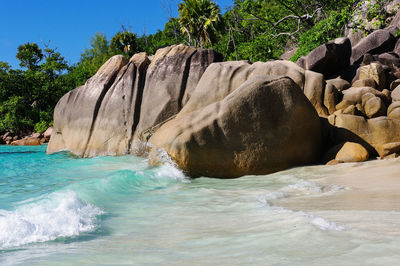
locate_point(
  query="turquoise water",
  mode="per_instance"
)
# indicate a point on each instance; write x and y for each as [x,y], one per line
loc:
[62,210]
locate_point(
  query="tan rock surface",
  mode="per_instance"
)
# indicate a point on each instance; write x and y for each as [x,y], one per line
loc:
[264,126]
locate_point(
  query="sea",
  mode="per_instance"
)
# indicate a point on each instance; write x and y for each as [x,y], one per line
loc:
[62,210]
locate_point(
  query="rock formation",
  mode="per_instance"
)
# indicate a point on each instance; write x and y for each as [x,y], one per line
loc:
[227,119]
[103,116]
[265,125]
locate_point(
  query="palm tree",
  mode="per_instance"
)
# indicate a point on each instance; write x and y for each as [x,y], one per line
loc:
[199,20]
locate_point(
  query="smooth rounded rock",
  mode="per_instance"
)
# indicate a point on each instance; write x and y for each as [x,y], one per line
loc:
[352,152]
[265,125]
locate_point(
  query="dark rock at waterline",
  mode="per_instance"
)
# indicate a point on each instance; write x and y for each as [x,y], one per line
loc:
[265,125]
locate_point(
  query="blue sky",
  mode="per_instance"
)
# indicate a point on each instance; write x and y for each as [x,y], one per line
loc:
[68,25]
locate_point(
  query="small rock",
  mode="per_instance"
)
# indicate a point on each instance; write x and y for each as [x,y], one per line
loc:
[27,141]
[8,140]
[396,94]
[352,110]
[391,156]
[389,59]
[344,104]
[331,97]
[394,84]
[388,94]
[352,152]
[333,162]
[340,84]
[6,135]
[376,72]
[374,107]
[369,82]
[48,132]
[379,41]
[35,135]
[390,148]
[354,94]
[393,110]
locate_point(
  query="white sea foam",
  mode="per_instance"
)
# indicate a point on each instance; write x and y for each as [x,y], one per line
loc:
[323,224]
[59,215]
[301,188]
[304,186]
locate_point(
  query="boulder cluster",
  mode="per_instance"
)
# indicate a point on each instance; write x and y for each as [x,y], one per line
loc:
[362,93]
[26,138]
[340,103]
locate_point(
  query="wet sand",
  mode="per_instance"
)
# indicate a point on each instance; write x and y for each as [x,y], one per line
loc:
[369,186]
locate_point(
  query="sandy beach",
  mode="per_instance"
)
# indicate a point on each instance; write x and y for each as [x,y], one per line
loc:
[372,186]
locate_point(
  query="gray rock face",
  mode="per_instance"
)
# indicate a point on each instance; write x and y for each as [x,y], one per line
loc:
[76,112]
[117,118]
[329,58]
[379,41]
[103,116]
[397,47]
[168,78]
[226,77]
[389,59]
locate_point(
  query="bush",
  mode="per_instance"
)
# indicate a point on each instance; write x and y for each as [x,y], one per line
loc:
[324,31]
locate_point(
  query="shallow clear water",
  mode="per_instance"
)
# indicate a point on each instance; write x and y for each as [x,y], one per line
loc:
[63,210]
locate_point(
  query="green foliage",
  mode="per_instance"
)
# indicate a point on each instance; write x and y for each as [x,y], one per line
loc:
[199,20]
[124,43]
[44,122]
[324,31]
[29,97]
[14,115]
[29,55]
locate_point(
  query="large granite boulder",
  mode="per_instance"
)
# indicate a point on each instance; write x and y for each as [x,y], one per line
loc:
[168,78]
[126,97]
[329,58]
[379,41]
[225,77]
[118,115]
[265,125]
[76,112]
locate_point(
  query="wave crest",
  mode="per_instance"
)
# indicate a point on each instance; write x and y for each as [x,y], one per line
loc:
[59,215]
